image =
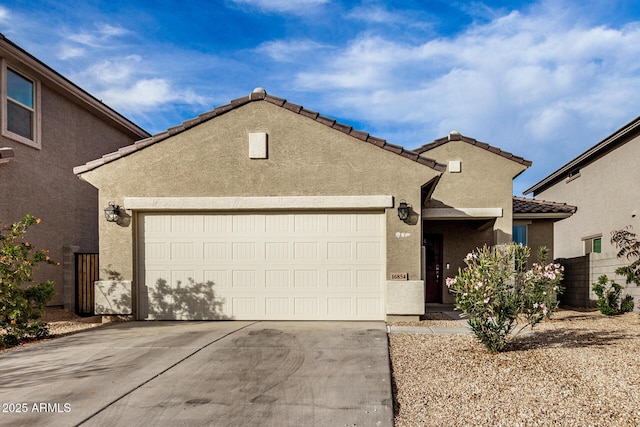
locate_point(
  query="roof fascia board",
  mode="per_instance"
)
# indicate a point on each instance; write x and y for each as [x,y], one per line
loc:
[549,215]
[588,156]
[461,213]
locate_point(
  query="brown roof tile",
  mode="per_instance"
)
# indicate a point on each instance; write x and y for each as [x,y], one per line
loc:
[260,95]
[523,205]
[455,136]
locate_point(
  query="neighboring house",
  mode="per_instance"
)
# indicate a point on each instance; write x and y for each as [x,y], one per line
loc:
[261,209]
[604,184]
[48,126]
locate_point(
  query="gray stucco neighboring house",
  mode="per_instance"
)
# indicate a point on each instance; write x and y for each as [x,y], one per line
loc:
[48,125]
[263,209]
[604,184]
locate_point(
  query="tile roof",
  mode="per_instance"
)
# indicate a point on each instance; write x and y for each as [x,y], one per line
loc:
[522,205]
[260,95]
[456,136]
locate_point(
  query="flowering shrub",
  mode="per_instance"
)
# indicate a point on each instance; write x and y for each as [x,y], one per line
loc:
[21,301]
[495,291]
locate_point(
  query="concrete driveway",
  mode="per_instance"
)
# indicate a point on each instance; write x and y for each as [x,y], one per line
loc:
[203,373]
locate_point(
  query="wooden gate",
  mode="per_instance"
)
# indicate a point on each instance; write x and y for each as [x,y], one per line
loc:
[87,272]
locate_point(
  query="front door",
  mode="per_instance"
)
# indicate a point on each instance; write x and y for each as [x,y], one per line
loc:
[433,268]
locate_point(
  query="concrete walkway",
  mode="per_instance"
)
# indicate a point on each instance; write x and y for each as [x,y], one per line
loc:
[434,330]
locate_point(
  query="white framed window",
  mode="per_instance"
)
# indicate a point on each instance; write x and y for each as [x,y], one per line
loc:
[593,244]
[20,106]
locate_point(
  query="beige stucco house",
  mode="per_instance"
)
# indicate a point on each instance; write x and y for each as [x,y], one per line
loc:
[262,209]
[472,205]
[48,125]
[604,184]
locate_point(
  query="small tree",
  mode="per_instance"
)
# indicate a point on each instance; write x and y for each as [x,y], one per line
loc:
[496,292]
[629,248]
[21,301]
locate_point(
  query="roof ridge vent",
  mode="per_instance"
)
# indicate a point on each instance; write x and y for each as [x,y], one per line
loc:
[454,135]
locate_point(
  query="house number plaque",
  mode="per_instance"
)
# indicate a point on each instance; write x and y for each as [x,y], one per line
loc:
[399,276]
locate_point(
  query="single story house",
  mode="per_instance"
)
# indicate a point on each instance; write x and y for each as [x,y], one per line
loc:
[262,209]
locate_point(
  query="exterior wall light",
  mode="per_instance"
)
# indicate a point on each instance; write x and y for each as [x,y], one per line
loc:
[112,212]
[403,210]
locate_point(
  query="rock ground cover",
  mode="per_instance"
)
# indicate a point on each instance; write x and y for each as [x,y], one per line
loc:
[577,369]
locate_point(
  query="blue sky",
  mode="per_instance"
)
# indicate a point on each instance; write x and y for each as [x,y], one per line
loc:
[542,79]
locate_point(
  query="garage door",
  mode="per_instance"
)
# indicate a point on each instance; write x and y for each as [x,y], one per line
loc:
[254,266]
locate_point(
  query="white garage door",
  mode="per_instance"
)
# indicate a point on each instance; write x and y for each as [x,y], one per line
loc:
[255,266]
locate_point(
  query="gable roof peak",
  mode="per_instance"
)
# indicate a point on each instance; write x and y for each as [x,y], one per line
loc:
[260,94]
[454,135]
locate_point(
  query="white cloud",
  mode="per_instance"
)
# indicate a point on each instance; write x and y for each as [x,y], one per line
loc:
[144,95]
[520,78]
[4,14]
[283,6]
[70,52]
[113,71]
[375,14]
[98,37]
[288,51]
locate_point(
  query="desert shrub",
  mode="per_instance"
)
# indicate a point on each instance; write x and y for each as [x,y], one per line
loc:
[496,292]
[608,293]
[22,302]
[627,304]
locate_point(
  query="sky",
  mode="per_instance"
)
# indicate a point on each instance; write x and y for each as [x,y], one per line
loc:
[545,80]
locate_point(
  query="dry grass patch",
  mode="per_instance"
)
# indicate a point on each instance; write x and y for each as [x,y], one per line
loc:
[578,369]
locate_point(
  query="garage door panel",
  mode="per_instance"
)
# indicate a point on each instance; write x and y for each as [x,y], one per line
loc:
[278,279]
[277,306]
[217,278]
[215,251]
[263,266]
[243,307]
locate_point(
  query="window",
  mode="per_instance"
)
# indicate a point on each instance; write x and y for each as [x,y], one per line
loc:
[20,120]
[593,244]
[520,234]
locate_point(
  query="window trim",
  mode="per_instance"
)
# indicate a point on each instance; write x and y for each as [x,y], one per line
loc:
[590,240]
[36,141]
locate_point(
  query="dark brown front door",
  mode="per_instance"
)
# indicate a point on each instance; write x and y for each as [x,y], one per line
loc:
[433,267]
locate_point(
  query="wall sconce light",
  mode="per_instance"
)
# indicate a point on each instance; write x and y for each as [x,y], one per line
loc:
[112,212]
[403,210]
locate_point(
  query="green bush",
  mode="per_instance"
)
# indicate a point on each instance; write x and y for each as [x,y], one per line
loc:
[22,302]
[628,247]
[496,292]
[608,293]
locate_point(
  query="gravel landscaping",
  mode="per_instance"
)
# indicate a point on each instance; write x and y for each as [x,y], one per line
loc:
[577,369]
